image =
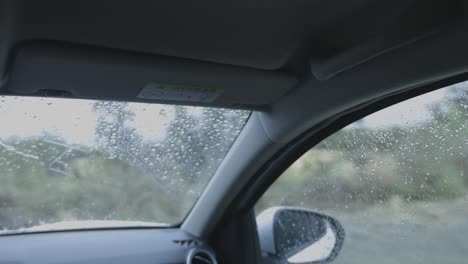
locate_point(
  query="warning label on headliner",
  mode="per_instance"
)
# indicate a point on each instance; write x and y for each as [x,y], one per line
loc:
[179,93]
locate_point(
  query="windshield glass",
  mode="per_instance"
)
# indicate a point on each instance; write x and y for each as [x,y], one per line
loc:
[70,163]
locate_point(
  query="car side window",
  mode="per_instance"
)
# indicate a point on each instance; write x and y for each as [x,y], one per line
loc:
[397,180]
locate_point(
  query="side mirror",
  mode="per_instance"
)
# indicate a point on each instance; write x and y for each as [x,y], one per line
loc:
[295,235]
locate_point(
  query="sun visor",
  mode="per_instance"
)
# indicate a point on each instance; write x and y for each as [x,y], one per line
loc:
[85,72]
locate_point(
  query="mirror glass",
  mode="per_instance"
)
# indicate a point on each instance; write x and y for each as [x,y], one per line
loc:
[318,251]
[304,236]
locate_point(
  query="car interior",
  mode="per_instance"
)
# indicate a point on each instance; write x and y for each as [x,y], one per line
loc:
[296,71]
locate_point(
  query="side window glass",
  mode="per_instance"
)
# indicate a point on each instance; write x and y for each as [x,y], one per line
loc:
[397,180]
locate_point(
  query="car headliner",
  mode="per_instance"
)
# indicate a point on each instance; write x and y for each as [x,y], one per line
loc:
[297,63]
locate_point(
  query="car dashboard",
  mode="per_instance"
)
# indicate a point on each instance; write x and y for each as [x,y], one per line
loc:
[117,246]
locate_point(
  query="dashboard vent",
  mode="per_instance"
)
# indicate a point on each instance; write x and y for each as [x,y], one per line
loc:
[186,243]
[200,256]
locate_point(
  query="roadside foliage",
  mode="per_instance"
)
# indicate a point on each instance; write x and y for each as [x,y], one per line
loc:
[69,160]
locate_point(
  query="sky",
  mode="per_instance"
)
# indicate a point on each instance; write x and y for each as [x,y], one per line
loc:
[75,121]
[408,112]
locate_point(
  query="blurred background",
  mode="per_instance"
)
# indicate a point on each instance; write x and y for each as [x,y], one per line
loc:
[68,159]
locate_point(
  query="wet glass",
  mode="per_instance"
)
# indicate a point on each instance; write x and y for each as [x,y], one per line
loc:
[396,180]
[69,163]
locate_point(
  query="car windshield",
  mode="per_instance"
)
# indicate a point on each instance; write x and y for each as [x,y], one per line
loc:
[74,164]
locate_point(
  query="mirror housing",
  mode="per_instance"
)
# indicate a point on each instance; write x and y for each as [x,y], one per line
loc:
[296,235]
